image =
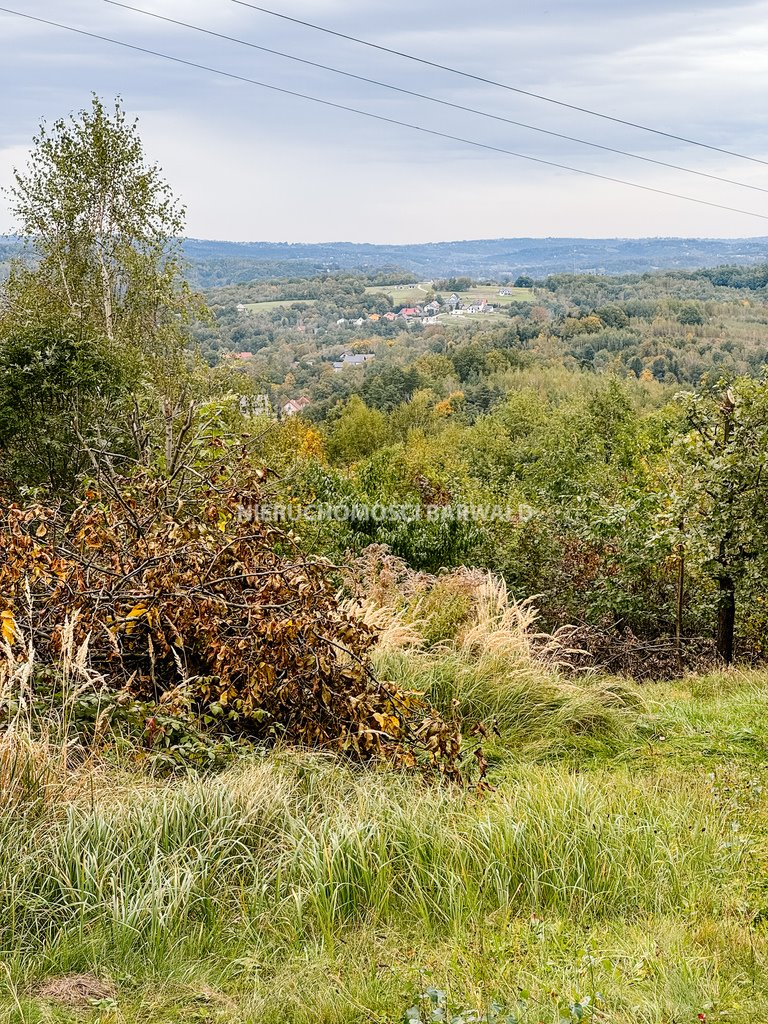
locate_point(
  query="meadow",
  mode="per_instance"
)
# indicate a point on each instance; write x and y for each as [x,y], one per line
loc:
[263,307]
[611,868]
[491,294]
[414,293]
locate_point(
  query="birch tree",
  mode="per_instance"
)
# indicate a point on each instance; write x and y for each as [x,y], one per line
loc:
[100,289]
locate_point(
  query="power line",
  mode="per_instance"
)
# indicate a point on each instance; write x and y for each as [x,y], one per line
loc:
[381,117]
[498,85]
[435,99]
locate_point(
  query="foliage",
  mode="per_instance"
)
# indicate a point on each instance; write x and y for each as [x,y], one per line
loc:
[718,488]
[433,1007]
[99,309]
[104,228]
[197,605]
[356,433]
[58,385]
[607,865]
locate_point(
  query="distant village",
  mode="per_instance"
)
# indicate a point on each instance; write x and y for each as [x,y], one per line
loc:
[260,405]
[426,314]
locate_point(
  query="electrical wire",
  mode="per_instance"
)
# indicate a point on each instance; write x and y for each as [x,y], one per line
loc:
[380,117]
[498,85]
[435,99]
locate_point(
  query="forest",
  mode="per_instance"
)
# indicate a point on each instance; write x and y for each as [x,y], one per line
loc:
[372,647]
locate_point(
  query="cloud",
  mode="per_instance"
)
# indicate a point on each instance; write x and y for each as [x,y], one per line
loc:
[252,164]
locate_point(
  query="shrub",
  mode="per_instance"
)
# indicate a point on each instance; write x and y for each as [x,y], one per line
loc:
[206,614]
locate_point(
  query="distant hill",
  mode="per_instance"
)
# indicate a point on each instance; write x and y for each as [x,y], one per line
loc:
[217,263]
[214,263]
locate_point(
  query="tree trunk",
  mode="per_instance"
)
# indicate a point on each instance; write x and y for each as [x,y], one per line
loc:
[679,607]
[726,618]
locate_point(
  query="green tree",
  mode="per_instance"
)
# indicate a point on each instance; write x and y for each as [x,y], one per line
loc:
[719,487]
[357,432]
[100,308]
[690,313]
[613,315]
[105,231]
[56,382]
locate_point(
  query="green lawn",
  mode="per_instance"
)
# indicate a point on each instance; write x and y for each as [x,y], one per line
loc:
[492,297]
[408,294]
[616,873]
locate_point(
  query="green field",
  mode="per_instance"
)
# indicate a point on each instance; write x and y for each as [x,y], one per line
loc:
[409,294]
[415,294]
[615,873]
[262,307]
[492,297]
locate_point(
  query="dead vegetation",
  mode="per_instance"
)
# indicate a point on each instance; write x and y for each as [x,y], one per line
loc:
[469,609]
[479,656]
[472,609]
[76,990]
[203,613]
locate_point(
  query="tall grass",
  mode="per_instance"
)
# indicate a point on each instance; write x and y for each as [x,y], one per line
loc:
[296,880]
[37,749]
[306,847]
[498,668]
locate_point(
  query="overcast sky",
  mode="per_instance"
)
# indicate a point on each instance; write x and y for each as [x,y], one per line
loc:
[251,164]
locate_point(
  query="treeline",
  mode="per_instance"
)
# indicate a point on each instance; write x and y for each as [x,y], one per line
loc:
[677,329]
[624,510]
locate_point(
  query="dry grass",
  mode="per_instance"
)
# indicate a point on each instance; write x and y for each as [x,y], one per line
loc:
[395,631]
[500,625]
[30,769]
[494,666]
[36,755]
[76,990]
[466,609]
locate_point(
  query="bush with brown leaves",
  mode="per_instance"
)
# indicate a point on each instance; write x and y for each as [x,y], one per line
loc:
[209,612]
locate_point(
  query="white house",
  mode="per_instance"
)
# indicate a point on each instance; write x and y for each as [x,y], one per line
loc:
[295,405]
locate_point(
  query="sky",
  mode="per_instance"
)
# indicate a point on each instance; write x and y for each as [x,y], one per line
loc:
[252,164]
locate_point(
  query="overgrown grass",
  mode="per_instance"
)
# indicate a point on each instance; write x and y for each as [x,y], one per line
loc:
[534,710]
[286,882]
[294,888]
[494,668]
[318,846]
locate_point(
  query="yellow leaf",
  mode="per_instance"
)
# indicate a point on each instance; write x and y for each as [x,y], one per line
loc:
[388,723]
[8,626]
[135,613]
